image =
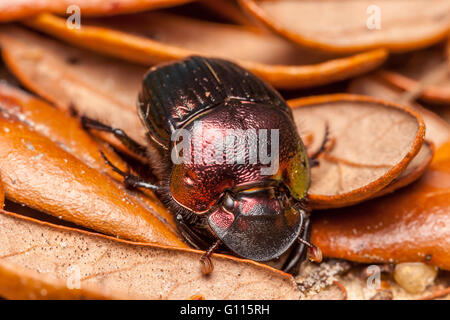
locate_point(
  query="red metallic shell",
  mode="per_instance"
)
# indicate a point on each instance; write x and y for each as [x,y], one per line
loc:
[197,186]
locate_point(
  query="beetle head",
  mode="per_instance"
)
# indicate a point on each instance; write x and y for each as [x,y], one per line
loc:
[258,224]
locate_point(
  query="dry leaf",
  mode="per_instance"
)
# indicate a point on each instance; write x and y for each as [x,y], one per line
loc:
[41,63]
[227,9]
[57,169]
[19,9]
[416,168]
[355,25]
[438,131]
[153,37]
[49,64]
[423,71]
[95,86]
[56,125]
[116,268]
[38,173]
[2,194]
[411,225]
[373,142]
[67,133]
[448,52]
[19,283]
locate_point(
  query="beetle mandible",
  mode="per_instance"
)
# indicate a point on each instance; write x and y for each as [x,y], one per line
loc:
[255,214]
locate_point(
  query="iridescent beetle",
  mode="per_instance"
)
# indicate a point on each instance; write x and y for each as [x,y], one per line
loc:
[257,216]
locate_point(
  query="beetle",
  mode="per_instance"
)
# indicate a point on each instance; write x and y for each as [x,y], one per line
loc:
[256,214]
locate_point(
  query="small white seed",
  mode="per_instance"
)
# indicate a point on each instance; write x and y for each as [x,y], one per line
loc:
[414,277]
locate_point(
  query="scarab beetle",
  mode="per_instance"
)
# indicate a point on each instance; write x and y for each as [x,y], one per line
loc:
[253,208]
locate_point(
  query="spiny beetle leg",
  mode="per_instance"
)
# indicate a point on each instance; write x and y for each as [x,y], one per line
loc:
[130,180]
[189,235]
[298,252]
[314,253]
[205,260]
[128,142]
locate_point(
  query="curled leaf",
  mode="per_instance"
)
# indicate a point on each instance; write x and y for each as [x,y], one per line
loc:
[95,86]
[153,37]
[67,133]
[372,143]
[416,168]
[411,225]
[19,9]
[227,9]
[424,71]
[355,25]
[19,283]
[438,131]
[38,173]
[56,125]
[117,269]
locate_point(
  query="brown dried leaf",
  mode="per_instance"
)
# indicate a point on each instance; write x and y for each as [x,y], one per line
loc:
[2,194]
[67,133]
[416,168]
[154,37]
[343,26]
[438,131]
[373,142]
[411,225]
[95,86]
[19,9]
[38,173]
[19,283]
[423,71]
[56,125]
[117,269]
[228,9]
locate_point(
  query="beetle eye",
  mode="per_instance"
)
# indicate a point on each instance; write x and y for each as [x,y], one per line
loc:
[228,202]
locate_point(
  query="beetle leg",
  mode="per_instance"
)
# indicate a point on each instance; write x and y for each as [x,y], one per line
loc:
[314,253]
[298,251]
[128,142]
[189,235]
[129,179]
[205,260]
[313,162]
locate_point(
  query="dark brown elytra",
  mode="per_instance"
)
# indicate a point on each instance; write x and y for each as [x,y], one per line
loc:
[254,208]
